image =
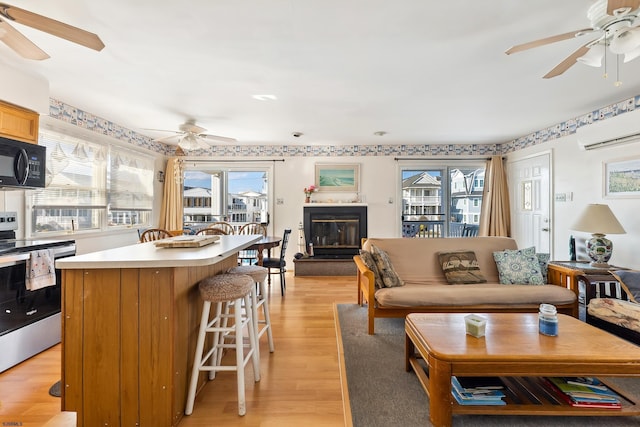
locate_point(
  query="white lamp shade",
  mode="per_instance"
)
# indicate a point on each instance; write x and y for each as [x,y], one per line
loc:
[593,57]
[625,40]
[598,219]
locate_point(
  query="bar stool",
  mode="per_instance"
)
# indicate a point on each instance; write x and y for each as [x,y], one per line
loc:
[259,299]
[230,290]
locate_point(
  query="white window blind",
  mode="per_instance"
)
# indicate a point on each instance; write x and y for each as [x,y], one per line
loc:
[91,186]
[130,181]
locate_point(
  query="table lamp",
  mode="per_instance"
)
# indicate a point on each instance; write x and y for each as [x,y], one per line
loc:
[598,220]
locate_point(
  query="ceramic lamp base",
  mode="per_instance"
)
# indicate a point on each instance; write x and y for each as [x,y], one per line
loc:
[599,249]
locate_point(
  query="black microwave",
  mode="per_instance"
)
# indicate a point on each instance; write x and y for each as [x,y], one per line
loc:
[22,165]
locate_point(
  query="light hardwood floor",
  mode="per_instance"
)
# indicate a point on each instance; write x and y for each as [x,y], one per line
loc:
[301,382]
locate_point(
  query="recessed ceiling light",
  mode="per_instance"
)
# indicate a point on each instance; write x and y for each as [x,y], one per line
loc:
[266,97]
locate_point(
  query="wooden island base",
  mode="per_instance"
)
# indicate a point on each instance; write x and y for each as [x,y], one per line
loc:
[129,334]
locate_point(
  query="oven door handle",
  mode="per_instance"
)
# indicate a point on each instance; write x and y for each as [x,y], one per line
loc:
[14,259]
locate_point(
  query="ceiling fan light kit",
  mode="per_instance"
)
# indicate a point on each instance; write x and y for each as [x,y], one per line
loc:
[191,137]
[619,27]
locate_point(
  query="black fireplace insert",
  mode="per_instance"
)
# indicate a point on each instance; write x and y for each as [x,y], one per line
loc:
[335,231]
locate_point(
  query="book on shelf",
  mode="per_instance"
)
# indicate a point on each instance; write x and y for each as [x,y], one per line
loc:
[471,384]
[576,395]
[590,382]
[475,396]
[476,401]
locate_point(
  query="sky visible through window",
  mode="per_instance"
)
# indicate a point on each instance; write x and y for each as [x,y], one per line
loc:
[239,182]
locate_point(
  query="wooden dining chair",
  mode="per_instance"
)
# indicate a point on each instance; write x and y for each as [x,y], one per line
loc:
[253,228]
[211,231]
[250,256]
[152,234]
[223,225]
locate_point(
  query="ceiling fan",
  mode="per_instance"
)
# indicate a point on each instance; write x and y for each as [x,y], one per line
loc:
[617,25]
[190,136]
[25,47]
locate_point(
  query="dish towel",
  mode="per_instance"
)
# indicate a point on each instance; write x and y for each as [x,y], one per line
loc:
[40,270]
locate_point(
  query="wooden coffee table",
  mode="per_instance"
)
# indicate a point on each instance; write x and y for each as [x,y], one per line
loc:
[437,347]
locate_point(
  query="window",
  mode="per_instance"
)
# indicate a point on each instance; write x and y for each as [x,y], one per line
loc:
[438,201]
[236,195]
[91,187]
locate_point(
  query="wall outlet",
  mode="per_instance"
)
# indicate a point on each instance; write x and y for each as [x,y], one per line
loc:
[280,201]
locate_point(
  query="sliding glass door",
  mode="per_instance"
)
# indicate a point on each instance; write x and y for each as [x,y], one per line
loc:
[441,201]
[235,195]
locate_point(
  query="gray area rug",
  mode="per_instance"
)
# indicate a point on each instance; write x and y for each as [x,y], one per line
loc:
[383,394]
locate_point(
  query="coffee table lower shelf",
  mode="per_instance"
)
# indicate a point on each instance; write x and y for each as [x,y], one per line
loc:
[531,396]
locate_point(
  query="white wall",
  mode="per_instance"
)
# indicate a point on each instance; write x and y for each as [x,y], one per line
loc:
[581,172]
[378,184]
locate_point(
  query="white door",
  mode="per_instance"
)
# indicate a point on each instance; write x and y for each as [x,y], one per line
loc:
[530,194]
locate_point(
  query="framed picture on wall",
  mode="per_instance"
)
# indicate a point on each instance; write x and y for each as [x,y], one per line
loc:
[338,177]
[622,178]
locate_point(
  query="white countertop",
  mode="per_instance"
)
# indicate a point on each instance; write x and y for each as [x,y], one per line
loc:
[146,255]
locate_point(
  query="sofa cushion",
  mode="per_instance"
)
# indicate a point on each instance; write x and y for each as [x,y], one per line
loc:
[520,266]
[618,312]
[543,260]
[490,294]
[367,258]
[630,281]
[390,278]
[460,267]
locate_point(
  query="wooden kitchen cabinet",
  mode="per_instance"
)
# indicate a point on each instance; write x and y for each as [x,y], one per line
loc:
[18,123]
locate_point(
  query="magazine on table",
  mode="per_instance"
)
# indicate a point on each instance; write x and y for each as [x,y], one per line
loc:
[582,396]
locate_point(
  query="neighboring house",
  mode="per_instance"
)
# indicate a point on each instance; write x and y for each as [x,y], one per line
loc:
[421,197]
[197,206]
[466,196]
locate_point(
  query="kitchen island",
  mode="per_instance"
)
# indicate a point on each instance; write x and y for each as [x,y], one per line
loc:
[130,320]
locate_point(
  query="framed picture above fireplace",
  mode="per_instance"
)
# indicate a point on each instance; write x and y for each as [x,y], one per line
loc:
[338,177]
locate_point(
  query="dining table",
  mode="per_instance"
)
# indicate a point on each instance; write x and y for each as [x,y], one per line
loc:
[266,243]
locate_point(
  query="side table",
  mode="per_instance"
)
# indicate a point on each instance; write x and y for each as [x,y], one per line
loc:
[565,273]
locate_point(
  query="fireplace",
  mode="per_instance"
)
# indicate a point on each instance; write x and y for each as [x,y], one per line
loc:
[335,230]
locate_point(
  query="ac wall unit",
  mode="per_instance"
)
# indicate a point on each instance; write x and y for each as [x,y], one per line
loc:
[620,129]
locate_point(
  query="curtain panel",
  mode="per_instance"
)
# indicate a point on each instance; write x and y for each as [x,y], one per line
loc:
[171,208]
[495,219]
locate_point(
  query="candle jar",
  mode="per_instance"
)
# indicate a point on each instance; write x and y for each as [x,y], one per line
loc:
[548,320]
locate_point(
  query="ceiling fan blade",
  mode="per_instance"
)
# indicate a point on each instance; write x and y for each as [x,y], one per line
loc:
[51,26]
[568,62]
[547,40]
[170,138]
[19,43]
[217,138]
[161,130]
[613,5]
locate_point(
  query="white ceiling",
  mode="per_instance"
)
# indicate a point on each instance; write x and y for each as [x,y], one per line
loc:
[424,71]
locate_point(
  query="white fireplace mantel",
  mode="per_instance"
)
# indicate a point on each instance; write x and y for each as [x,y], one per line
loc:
[324,204]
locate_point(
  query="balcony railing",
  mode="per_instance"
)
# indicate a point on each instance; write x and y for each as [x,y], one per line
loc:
[431,229]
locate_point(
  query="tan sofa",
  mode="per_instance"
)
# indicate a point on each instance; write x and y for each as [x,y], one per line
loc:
[426,289]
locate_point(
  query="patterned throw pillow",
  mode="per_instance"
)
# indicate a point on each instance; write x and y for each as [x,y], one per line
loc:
[367,258]
[630,282]
[461,267]
[519,267]
[543,260]
[389,277]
